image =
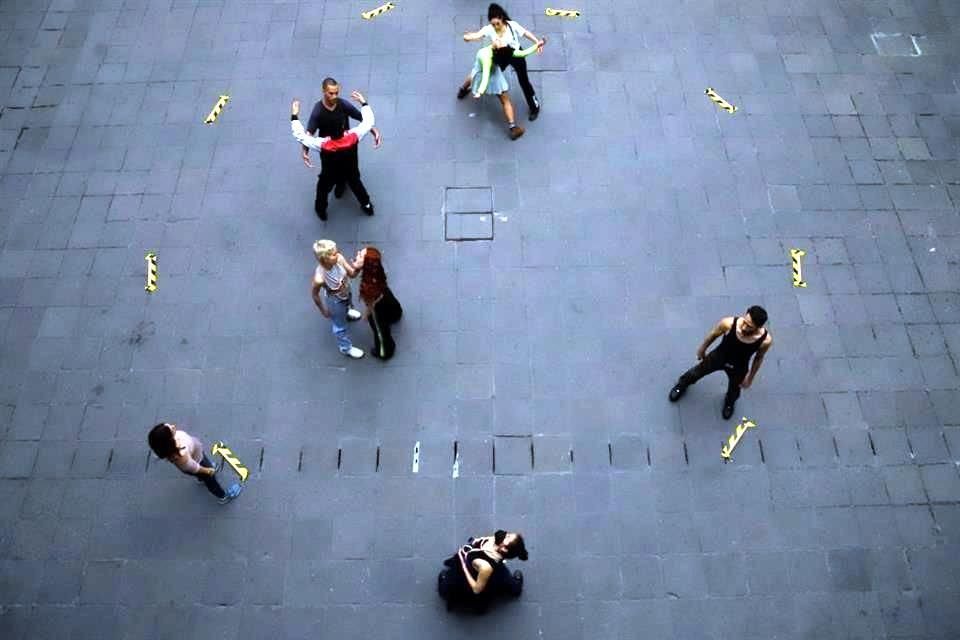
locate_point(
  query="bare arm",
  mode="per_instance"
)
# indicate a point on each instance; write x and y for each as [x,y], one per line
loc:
[189,466]
[721,328]
[484,571]
[757,361]
[530,36]
[471,36]
[317,298]
[352,268]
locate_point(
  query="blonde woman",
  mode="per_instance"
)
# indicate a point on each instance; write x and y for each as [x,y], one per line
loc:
[333,275]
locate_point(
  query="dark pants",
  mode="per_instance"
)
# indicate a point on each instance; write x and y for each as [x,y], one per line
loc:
[715,362]
[453,587]
[384,313]
[502,581]
[326,182]
[211,481]
[520,66]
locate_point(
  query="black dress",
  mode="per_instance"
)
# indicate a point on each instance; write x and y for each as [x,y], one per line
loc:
[453,587]
[383,315]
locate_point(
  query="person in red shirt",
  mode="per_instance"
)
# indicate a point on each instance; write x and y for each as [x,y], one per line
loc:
[338,156]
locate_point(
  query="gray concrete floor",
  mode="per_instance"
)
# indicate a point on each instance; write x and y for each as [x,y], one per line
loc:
[632,216]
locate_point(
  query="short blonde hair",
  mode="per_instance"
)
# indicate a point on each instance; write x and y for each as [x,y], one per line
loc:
[325,248]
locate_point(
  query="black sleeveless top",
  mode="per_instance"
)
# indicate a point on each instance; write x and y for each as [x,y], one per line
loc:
[476,553]
[736,352]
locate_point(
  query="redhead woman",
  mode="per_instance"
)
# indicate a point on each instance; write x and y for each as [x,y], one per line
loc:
[383,309]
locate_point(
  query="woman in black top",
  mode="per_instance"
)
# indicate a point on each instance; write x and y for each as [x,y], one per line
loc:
[383,309]
[477,572]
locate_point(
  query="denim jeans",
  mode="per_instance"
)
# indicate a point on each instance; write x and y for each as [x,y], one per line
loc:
[338,318]
[210,481]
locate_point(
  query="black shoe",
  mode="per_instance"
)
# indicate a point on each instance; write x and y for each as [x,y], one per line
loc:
[321,214]
[462,93]
[368,208]
[677,392]
[339,189]
[518,582]
[535,111]
[727,411]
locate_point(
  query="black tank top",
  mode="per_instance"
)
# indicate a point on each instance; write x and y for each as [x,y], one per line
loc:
[736,352]
[476,553]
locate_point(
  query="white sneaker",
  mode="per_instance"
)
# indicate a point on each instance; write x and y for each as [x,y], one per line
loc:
[353,314]
[353,352]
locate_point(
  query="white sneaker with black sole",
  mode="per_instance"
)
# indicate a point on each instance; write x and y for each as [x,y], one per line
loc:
[353,353]
[353,314]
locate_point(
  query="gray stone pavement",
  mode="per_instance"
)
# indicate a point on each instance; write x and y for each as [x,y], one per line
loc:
[632,216]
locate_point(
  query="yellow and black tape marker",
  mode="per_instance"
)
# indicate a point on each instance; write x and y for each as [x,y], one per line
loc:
[795,255]
[217,108]
[373,13]
[726,451]
[221,449]
[720,102]
[151,259]
[562,13]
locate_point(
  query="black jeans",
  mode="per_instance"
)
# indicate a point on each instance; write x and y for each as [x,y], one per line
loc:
[384,313]
[502,581]
[715,362]
[326,182]
[211,481]
[453,587]
[520,66]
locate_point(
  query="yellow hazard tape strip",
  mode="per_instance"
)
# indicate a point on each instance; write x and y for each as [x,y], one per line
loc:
[373,13]
[726,451]
[217,108]
[222,450]
[720,102]
[562,13]
[795,255]
[151,259]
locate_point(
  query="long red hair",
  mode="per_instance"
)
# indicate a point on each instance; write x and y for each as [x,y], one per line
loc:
[373,282]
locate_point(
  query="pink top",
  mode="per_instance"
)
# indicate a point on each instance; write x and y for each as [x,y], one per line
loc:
[190,454]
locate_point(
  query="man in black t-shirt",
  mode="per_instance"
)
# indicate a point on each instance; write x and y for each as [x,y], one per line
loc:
[330,118]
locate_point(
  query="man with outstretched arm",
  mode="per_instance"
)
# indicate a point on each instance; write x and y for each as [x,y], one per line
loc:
[338,156]
[331,117]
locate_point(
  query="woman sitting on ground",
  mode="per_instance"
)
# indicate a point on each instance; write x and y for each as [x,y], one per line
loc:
[477,573]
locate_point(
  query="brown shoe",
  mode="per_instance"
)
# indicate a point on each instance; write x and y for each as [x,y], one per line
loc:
[462,93]
[516,132]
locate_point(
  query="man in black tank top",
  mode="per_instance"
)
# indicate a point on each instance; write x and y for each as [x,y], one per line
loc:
[742,338]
